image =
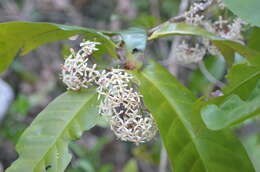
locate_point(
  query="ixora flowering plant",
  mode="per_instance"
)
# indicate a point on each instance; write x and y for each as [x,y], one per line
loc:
[139,97]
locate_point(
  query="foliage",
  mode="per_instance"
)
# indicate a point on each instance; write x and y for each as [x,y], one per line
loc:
[182,130]
[227,47]
[32,35]
[244,8]
[197,133]
[241,98]
[44,145]
[199,84]
[232,110]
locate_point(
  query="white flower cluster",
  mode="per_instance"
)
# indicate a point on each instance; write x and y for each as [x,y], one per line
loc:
[123,106]
[221,4]
[232,30]
[212,49]
[120,103]
[223,28]
[226,29]
[192,16]
[76,73]
[186,54]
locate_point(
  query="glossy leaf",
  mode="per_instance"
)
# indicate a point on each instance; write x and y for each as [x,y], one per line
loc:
[242,79]
[227,47]
[135,43]
[246,10]
[190,145]
[231,111]
[19,38]
[44,144]
[134,39]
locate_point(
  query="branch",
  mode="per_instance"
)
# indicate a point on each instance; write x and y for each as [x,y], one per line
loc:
[181,18]
[173,65]
[163,160]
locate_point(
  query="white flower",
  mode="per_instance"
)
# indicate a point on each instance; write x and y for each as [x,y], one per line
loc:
[186,54]
[221,4]
[234,30]
[138,130]
[123,105]
[225,29]
[220,23]
[87,48]
[120,101]
[192,16]
[76,72]
[212,49]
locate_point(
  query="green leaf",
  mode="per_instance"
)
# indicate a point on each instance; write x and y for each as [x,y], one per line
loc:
[246,10]
[227,47]
[131,166]
[190,145]
[198,83]
[254,38]
[134,38]
[44,144]
[242,79]
[231,111]
[135,43]
[19,38]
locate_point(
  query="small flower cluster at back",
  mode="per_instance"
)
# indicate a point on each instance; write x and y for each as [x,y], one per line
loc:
[120,101]
[187,53]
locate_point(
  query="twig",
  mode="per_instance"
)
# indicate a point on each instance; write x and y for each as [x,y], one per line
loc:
[209,76]
[173,66]
[163,160]
[181,17]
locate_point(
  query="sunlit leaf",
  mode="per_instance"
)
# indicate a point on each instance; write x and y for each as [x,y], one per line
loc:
[44,144]
[190,145]
[19,38]
[227,47]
